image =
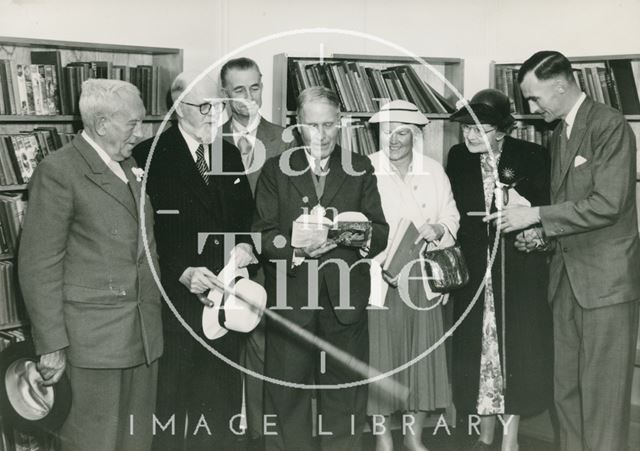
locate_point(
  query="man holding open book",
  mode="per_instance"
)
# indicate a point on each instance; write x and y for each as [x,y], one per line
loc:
[320,180]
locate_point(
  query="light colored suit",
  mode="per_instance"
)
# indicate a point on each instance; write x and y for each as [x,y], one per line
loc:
[88,286]
[594,276]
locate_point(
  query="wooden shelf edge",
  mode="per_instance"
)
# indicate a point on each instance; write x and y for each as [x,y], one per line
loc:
[14,325]
[364,114]
[538,117]
[89,46]
[580,59]
[19,118]
[5,188]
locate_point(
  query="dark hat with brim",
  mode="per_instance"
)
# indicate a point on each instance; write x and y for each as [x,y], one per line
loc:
[490,106]
[25,403]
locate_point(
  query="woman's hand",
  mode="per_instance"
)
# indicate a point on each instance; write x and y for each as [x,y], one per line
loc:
[430,232]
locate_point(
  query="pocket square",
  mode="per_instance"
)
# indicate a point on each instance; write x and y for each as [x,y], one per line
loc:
[236,181]
[578,161]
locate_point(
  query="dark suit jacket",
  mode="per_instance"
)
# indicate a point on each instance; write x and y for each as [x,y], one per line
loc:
[280,199]
[593,211]
[225,205]
[84,273]
[268,142]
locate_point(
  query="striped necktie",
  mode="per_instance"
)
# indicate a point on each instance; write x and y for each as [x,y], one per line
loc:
[201,163]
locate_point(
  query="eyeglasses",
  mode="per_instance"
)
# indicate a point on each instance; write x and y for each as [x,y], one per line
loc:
[467,129]
[205,108]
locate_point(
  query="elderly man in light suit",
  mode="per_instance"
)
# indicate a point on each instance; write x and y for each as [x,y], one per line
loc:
[93,304]
[594,282]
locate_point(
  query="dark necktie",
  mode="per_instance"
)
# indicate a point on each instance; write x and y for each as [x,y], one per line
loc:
[201,163]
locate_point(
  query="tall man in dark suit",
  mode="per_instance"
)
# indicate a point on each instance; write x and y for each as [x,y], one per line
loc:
[258,140]
[93,303]
[594,285]
[185,177]
[286,189]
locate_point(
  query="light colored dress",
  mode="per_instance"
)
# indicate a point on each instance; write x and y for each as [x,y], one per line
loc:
[399,333]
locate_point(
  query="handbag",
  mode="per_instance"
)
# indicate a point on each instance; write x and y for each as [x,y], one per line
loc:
[446,268]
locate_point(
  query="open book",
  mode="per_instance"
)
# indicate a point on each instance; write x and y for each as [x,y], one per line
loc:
[350,229]
[403,248]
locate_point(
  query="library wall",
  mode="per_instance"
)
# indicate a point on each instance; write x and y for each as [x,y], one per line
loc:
[476,31]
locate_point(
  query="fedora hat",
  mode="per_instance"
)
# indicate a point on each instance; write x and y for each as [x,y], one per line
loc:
[399,111]
[229,312]
[25,403]
[490,107]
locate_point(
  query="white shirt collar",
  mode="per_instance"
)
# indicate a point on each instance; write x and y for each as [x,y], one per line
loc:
[250,129]
[323,162]
[193,145]
[113,165]
[571,116]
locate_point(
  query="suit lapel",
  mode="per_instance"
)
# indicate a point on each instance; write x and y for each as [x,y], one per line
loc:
[335,178]
[578,132]
[188,172]
[303,182]
[103,177]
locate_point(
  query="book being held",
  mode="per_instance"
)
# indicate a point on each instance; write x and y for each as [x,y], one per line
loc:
[349,229]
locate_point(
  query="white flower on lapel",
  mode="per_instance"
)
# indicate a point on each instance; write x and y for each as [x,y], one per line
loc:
[139,173]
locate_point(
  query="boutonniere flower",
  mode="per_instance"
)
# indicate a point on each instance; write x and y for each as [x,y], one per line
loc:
[508,174]
[139,173]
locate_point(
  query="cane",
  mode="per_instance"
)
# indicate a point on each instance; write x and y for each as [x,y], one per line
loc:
[388,385]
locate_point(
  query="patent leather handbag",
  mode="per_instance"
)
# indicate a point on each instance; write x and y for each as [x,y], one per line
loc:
[446,268]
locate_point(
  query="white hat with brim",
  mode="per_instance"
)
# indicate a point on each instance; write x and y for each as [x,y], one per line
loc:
[229,311]
[399,111]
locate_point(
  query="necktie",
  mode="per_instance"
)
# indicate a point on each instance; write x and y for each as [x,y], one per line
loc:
[246,151]
[559,154]
[201,163]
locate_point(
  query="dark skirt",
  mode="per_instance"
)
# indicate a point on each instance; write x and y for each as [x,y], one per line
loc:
[528,331]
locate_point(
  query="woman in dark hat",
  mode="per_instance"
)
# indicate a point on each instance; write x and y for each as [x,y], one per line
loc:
[502,350]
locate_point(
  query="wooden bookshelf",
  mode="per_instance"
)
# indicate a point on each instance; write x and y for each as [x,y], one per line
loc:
[13,325]
[541,426]
[440,134]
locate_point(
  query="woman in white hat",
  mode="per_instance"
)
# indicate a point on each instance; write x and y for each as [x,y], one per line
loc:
[415,188]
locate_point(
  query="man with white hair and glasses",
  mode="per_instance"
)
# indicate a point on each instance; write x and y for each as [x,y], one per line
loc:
[186,176]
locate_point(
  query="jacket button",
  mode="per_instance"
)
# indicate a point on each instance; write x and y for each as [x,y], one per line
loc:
[216,242]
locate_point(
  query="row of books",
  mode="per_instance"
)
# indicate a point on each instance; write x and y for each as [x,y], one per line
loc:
[12,209]
[529,132]
[364,89]
[21,152]
[9,312]
[45,87]
[613,82]
[360,137]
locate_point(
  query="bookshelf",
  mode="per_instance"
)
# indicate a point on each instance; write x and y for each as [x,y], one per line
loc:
[596,76]
[440,134]
[155,66]
[610,79]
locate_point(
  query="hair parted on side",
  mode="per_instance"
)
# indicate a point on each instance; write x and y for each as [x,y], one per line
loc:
[102,97]
[241,63]
[317,94]
[545,65]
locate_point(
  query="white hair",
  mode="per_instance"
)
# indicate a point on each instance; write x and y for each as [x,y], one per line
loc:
[103,98]
[184,79]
